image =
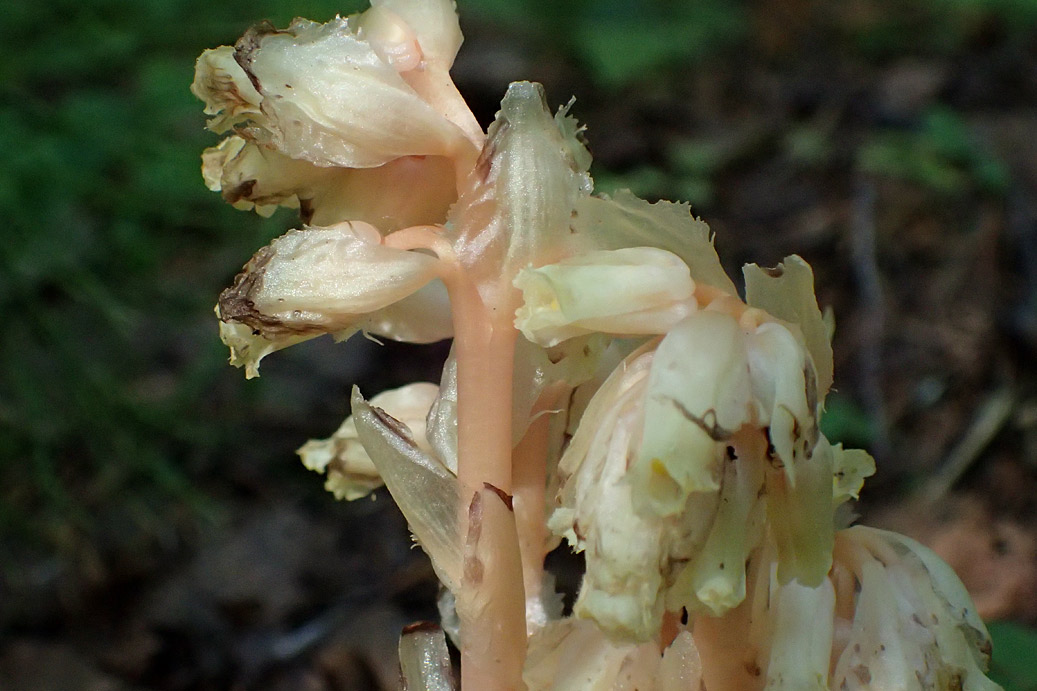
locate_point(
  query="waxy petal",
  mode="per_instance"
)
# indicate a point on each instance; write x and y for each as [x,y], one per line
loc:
[698,396]
[258,176]
[341,457]
[787,292]
[625,552]
[331,100]
[322,280]
[914,626]
[424,489]
[638,290]
[627,221]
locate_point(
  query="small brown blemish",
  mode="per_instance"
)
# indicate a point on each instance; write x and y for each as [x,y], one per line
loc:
[420,626]
[238,192]
[306,210]
[399,429]
[504,496]
[774,271]
[707,423]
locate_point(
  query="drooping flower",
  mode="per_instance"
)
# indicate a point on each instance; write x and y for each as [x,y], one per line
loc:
[633,291]
[702,445]
[319,110]
[335,280]
[350,472]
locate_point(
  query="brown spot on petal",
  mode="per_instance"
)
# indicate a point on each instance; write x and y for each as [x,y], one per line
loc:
[774,271]
[237,303]
[239,192]
[249,43]
[306,210]
[707,423]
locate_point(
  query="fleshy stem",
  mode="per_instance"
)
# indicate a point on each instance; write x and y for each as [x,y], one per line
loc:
[491,604]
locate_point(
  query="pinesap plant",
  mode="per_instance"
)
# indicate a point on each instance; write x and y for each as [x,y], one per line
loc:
[606,387]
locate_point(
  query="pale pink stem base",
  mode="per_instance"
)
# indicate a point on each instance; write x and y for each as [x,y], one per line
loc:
[491,603]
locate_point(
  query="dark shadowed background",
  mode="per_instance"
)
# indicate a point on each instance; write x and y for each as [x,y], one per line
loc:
[157,530]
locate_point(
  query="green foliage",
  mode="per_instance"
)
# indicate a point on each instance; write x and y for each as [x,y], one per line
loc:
[892,28]
[1013,665]
[941,155]
[845,421]
[113,255]
[621,41]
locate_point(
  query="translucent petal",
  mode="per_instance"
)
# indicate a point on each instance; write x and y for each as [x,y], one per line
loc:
[425,491]
[517,204]
[350,472]
[627,221]
[802,518]
[638,290]
[787,292]
[849,468]
[802,627]
[322,280]
[698,395]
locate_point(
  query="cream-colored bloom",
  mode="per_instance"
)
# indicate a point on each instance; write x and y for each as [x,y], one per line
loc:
[253,176]
[699,449]
[327,118]
[341,457]
[334,280]
[631,291]
[574,655]
[913,624]
[625,553]
[324,94]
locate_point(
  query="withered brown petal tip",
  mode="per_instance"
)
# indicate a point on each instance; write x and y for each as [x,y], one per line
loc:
[504,496]
[774,271]
[420,627]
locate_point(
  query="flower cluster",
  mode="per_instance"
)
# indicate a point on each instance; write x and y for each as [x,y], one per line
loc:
[607,386]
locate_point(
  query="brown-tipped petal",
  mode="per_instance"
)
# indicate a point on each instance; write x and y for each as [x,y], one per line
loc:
[322,280]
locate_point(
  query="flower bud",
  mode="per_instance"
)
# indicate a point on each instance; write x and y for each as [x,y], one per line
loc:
[637,290]
[333,280]
[350,472]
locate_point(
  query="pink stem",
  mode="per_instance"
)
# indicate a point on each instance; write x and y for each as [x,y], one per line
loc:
[490,604]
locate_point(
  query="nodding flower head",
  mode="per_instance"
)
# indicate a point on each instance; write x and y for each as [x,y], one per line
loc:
[322,115]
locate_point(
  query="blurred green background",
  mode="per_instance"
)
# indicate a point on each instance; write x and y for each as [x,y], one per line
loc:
[888,141]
